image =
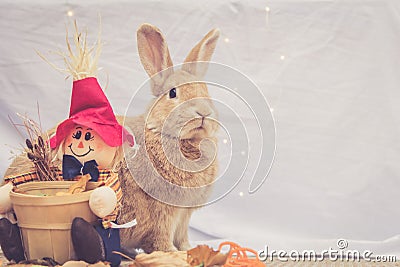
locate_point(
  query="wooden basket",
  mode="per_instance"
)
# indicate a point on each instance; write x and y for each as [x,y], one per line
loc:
[45,219]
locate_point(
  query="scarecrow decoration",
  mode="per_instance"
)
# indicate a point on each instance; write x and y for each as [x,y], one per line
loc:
[90,145]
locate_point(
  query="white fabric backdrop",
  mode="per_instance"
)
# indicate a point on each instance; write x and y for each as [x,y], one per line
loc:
[330,71]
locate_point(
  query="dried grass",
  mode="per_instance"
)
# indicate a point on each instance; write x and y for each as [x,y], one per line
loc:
[81,61]
[37,149]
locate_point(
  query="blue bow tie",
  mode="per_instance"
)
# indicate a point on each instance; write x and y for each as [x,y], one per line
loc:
[71,167]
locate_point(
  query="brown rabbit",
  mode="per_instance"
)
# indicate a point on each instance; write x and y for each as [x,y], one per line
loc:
[162,226]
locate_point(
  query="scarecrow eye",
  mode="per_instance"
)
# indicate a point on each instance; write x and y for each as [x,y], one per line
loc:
[88,136]
[172,93]
[77,135]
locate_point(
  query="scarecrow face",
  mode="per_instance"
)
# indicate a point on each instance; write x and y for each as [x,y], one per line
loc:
[85,144]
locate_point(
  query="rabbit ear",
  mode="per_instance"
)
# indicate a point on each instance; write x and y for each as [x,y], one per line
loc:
[201,52]
[154,55]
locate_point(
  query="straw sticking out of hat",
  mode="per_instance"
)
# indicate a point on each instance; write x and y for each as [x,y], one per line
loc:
[82,62]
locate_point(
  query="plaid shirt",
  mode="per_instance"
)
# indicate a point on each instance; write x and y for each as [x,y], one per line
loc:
[109,178]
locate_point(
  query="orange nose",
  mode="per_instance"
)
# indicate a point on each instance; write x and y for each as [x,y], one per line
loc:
[80,145]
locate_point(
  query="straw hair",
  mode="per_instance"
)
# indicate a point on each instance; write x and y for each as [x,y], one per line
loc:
[80,60]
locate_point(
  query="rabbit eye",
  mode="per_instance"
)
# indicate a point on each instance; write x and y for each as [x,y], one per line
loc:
[172,93]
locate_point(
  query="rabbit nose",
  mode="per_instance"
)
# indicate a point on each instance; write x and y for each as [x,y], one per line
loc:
[203,114]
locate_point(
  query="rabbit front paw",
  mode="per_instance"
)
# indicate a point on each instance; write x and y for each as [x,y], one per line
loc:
[167,247]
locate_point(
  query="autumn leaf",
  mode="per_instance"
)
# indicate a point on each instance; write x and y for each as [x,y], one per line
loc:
[160,259]
[79,186]
[204,256]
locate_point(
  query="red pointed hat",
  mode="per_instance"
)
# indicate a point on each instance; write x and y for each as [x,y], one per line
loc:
[90,107]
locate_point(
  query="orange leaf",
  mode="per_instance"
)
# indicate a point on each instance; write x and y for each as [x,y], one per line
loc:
[203,255]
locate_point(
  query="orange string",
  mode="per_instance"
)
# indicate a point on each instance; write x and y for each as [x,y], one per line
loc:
[237,256]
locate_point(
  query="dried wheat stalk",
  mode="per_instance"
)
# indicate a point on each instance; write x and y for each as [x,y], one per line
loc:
[37,150]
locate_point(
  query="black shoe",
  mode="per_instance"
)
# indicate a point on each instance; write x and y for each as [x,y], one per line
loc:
[10,241]
[87,243]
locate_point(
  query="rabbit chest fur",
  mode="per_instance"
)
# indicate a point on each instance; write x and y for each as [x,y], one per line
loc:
[160,226]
